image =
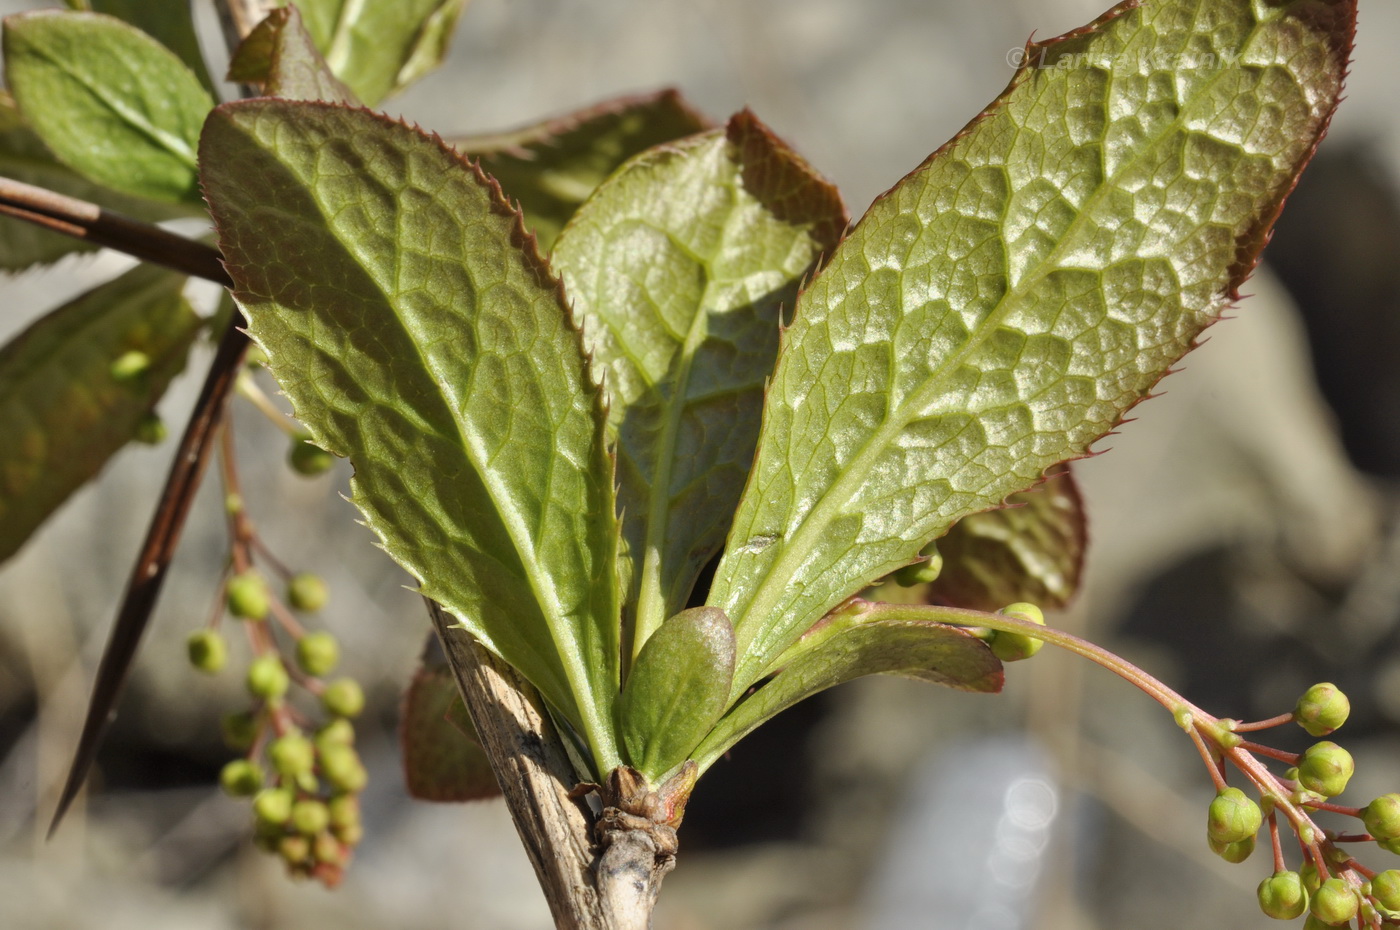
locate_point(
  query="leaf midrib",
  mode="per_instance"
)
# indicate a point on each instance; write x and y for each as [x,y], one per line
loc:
[853,476]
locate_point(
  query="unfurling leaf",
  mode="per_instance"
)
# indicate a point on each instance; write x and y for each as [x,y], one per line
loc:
[67,406]
[280,56]
[1002,307]
[442,757]
[677,689]
[553,167]
[112,103]
[415,329]
[678,268]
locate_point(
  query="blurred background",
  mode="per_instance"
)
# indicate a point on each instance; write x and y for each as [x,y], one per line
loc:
[1245,544]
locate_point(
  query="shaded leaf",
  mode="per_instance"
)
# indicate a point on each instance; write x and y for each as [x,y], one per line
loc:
[169,22]
[108,100]
[280,56]
[380,48]
[63,411]
[678,267]
[442,758]
[850,644]
[1030,550]
[416,330]
[553,167]
[1000,308]
[24,158]
[677,689]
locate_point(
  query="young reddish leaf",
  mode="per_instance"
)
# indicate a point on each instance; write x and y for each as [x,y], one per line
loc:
[442,758]
[279,56]
[75,384]
[553,167]
[1003,306]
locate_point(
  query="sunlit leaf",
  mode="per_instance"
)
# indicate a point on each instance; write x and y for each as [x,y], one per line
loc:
[169,22]
[1004,305]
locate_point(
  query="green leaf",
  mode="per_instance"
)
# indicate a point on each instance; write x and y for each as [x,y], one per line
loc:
[280,56]
[416,330]
[852,643]
[998,310]
[169,22]
[677,690]
[1030,550]
[111,102]
[380,48]
[553,167]
[442,756]
[24,158]
[678,267]
[63,410]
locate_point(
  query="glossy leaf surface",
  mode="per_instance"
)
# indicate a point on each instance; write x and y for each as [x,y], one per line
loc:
[169,22]
[553,167]
[108,100]
[416,330]
[63,410]
[999,309]
[678,267]
[380,48]
[677,689]
[280,56]
[849,645]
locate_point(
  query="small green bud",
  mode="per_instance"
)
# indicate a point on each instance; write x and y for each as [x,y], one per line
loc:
[294,849]
[307,458]
[1012,647]
[307,592]
[318,653]
[342,768]
[273,806]
[1390,845]
[344,810]
[339,732]
[239,730]
[1382,817]
[924,571]
[1311,879]
[241,778]
[310,817]
[343,698]
[246,596]
[1312,923]
[350,834]
[1233,852]
[1232,817]
[1335,902]
[267,677]
[1325,768]
[207,651]
[150,429]
[329,851]
[1385,888]
[233,504]
[1282,896]
[130,366]
[292,755]
[1322,709]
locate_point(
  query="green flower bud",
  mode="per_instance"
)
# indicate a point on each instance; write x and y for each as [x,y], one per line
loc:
[310,817]
[1325,768]
[241,778]
[344,810]
[1385,888]
[294,850]
[207,651]
[317,653]
[1312,923]
[1233,852]
[307,592]
[339,732]
[1012,647]
[925,571]
[246,595]
[1322,709]
[329,851]
[1282,896]
[1390,845]
[239,730]
[343,770]
[1311,880]
[150,429]
[350,834]
[130,366]
[292,755]
[307,458]
[1232,817]
[343,698]
[1335,902]
[1382,817]
[267,677]
[273,806]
